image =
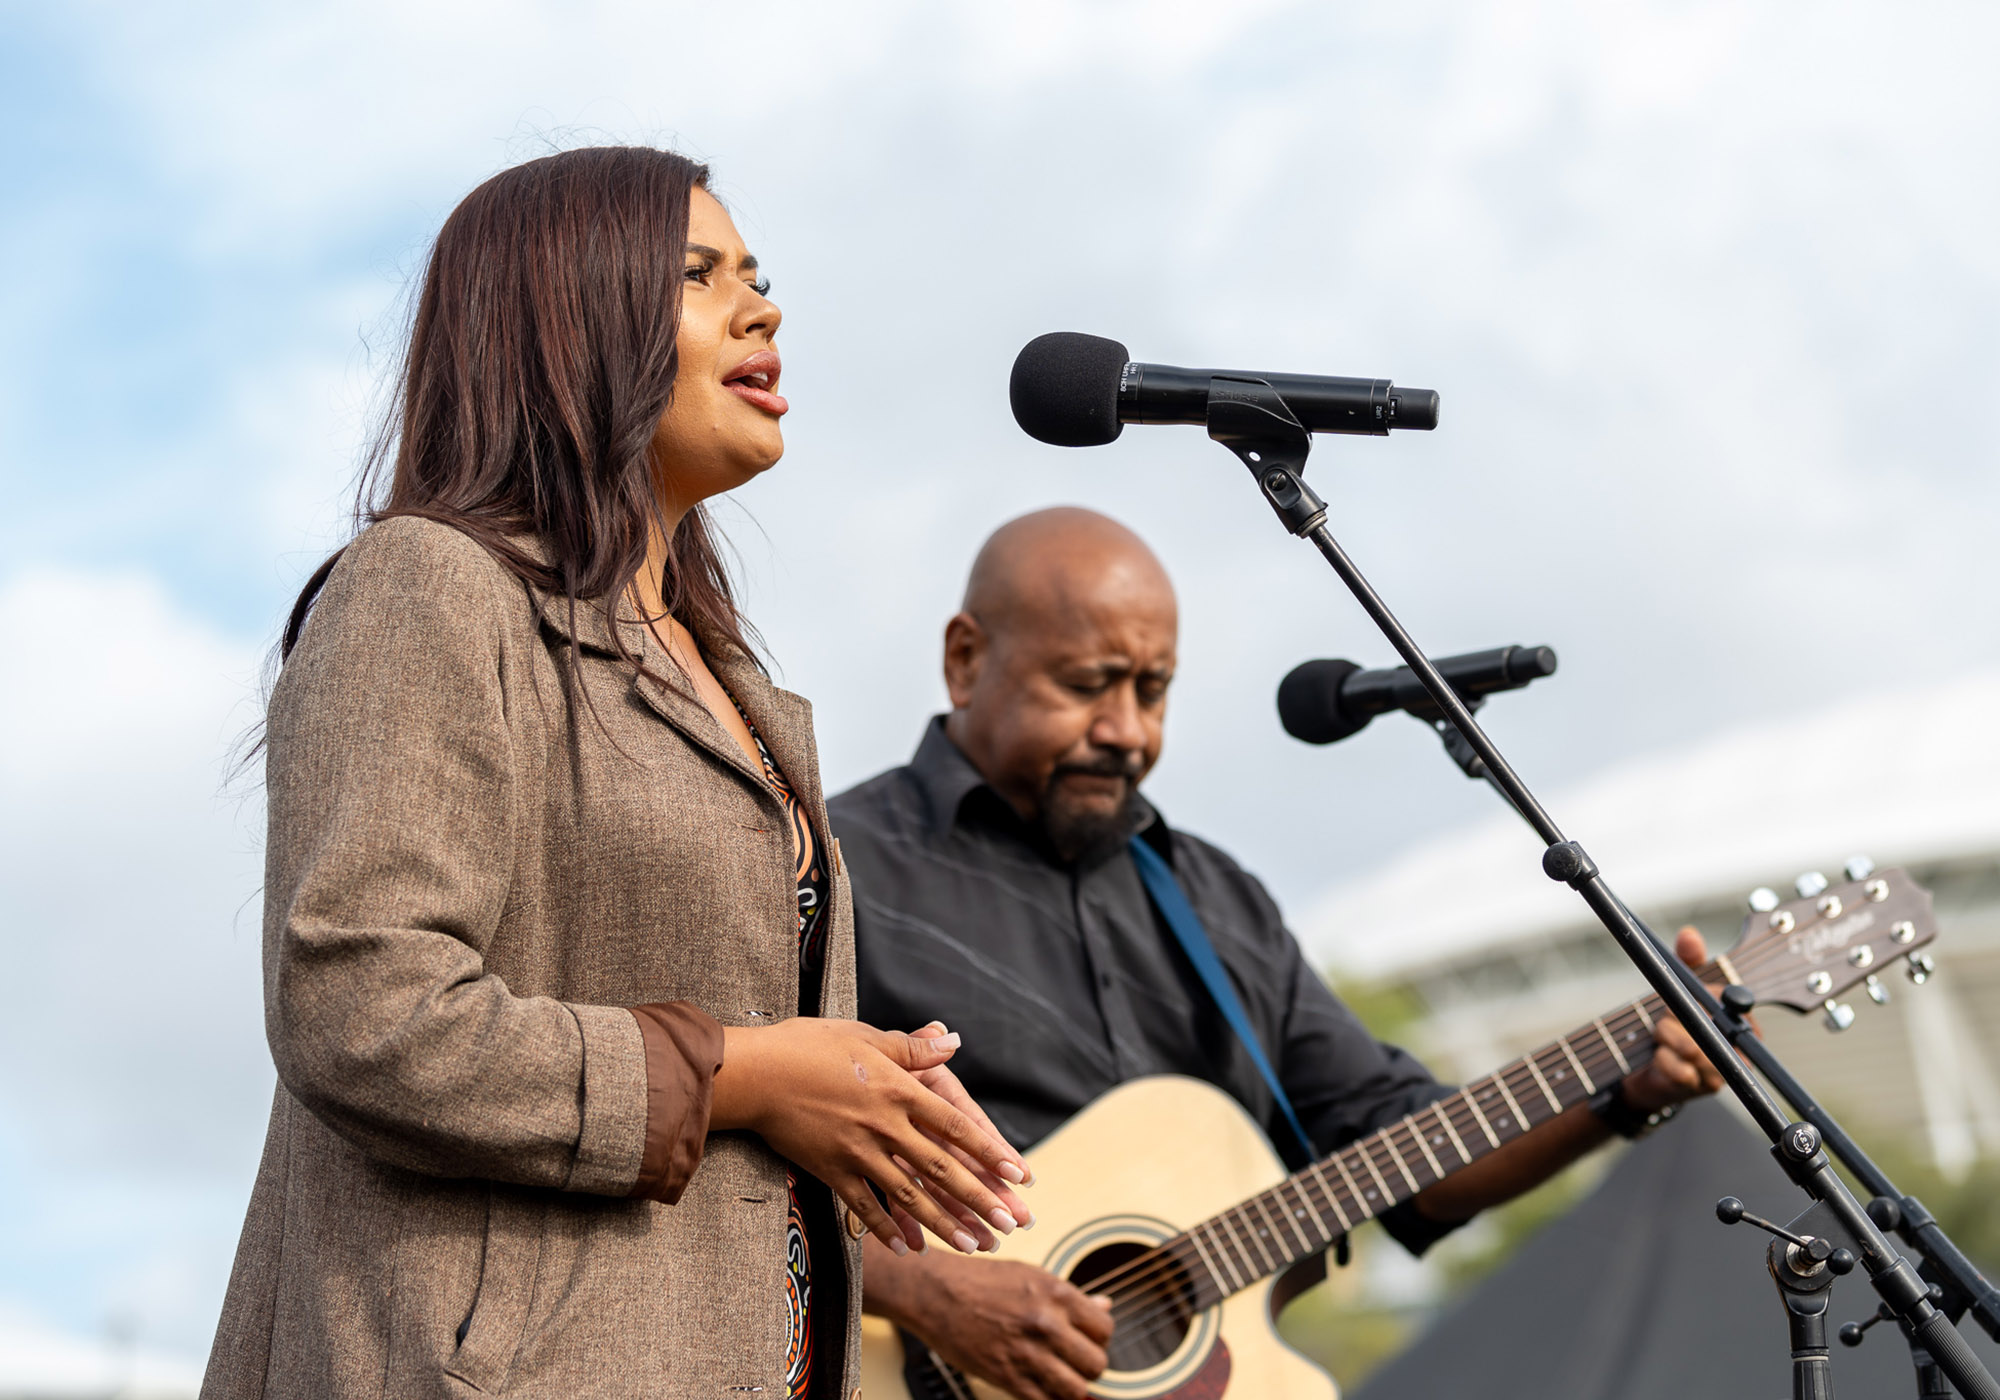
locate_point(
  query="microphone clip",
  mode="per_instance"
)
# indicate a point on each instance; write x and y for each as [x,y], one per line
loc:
[1252,419]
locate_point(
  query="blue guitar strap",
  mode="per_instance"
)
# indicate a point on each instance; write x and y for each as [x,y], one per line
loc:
[1173,905]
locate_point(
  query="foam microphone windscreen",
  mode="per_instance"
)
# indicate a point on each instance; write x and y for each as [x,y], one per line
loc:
[1309,702]
[1064,389]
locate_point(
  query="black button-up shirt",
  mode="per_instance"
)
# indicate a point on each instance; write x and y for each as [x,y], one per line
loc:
[1065,982]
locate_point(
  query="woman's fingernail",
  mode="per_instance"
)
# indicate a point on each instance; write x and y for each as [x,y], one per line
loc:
[898,1246]
[1003,1220]
[1028,1221]
[1009,1172]
[964,1242]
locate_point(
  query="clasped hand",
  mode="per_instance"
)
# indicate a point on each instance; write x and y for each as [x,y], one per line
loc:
[868,1110]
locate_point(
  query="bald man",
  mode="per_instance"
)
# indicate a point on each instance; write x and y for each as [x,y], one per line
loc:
[995,890]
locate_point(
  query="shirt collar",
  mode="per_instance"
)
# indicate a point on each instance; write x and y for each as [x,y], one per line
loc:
[947,779]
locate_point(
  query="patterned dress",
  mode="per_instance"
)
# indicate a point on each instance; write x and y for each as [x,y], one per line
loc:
[810,1215]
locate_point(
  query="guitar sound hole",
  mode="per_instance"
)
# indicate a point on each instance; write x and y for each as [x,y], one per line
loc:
[1153,1310]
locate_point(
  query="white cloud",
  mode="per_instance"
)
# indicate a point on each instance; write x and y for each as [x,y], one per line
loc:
[41,1360]
[1708,288]
[133,1075]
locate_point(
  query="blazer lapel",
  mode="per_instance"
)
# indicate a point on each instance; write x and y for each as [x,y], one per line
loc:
[683,710]
[783,720]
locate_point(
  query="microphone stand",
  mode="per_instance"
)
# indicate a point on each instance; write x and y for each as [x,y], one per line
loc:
[1252,420]
[1957,1285]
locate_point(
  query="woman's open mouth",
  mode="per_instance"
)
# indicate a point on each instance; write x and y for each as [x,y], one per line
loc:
[755,381]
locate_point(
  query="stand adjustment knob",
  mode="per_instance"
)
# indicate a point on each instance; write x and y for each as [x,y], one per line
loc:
[1839,1015]
[1851,1333]
[1807,1252]
[1800,1142]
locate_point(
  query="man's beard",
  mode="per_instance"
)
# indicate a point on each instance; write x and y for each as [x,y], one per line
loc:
[1083,834]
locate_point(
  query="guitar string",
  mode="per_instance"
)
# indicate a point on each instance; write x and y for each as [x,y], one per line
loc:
[1598,1053]
[1174,1311]
[1160,1270]
[1119,1277]
[1164,1293]
[1163,1268]
[1166,1307]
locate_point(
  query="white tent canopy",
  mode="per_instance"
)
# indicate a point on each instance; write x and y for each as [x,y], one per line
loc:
[1904,778]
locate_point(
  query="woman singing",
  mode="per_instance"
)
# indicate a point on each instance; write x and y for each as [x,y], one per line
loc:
[555,942]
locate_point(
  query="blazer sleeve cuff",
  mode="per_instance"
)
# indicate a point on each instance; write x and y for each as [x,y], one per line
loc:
[611,1143]
[683,1051]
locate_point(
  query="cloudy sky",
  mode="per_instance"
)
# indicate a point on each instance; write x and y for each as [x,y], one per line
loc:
[1709,289]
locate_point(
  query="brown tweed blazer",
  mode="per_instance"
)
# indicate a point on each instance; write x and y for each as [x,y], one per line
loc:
[464,891]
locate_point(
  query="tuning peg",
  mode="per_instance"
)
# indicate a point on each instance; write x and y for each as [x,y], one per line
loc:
[1839,1015]
[1859,867]
[1921,967]
[1877,993]
[1763,899]
[1810,884]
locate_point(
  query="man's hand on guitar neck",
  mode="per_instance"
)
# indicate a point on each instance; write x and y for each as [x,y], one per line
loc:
[1676,1072]
[1013,1325]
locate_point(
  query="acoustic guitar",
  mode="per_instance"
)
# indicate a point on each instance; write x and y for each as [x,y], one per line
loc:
[1188,1241]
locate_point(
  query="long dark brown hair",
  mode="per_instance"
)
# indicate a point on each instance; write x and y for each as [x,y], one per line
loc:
[541,356]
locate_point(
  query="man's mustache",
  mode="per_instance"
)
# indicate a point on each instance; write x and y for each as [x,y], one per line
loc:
[1111,765]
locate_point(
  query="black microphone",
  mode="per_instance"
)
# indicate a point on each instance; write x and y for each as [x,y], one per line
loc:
[1321,702]
[1075,390]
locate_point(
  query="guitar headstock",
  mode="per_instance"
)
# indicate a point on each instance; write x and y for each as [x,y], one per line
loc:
[1804,952]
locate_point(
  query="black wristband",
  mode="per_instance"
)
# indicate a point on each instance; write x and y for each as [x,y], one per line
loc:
[1622,1116]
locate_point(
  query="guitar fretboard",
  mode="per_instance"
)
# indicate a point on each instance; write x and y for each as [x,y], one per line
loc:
[1305,1213]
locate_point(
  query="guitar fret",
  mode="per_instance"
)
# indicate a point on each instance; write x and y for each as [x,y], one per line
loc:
[1214,1275]
[1612,1046]
[1277,1237]
[1368,1160]
[1292,1217]
[1555,1104]
[1520,1118]
[1259,1233]
[1389,1141]
[1589,1084]
[1484,1126]
[1464,1157]
[1437,1172]
[1644,1015]
[1218,1226]
[1232,1218]
[1273,1208]
[1256,1242]
[1353,1191]
[1332,1199]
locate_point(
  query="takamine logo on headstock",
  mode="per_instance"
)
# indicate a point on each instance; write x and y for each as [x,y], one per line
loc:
[1804,952]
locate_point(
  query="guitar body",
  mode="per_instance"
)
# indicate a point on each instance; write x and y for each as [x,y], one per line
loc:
[1150,1159]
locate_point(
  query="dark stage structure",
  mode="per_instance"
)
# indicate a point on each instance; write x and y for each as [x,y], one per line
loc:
[1640,1293]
